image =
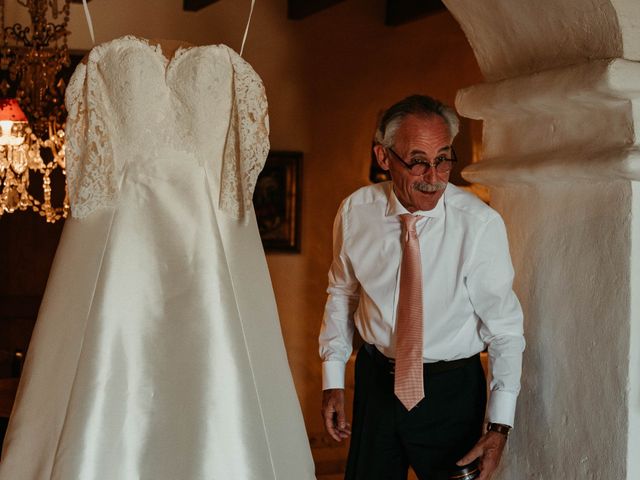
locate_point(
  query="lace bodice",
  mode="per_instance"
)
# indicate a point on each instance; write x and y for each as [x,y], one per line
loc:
[130,106]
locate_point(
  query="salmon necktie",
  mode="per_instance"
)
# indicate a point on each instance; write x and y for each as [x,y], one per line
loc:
[409,386]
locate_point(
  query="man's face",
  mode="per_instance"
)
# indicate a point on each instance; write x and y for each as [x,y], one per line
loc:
[423,139]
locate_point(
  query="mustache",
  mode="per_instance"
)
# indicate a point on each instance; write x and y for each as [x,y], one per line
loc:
[425,187]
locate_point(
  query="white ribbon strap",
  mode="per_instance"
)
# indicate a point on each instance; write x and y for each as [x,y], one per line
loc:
[246,30]
[89,22]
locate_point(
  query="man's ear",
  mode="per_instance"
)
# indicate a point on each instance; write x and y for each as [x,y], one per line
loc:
[381,157]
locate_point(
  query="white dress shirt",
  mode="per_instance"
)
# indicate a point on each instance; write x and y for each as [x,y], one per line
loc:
[468,301]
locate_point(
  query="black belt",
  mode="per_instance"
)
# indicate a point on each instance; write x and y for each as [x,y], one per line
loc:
[429,368]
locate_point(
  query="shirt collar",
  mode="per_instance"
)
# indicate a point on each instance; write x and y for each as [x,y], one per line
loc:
[394,207]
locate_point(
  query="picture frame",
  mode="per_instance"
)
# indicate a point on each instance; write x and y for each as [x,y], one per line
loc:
[277,202]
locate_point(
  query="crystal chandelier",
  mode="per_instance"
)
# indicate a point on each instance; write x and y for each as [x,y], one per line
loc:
[32,113]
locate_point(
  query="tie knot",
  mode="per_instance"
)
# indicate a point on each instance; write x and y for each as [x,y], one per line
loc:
[409,221]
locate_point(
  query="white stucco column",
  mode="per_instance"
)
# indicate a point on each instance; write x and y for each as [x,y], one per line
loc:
[562,158]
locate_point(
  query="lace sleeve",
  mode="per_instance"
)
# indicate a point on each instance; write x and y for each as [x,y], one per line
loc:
[247,143]
[89,160]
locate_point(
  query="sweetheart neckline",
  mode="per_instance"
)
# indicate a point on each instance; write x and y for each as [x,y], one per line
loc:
[157,49]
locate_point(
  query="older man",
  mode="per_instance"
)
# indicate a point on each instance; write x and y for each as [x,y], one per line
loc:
[422,269]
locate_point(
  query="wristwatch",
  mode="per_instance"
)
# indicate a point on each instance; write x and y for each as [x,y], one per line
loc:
[498,427]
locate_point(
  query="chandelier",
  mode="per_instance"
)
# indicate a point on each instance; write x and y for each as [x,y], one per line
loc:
[32,111]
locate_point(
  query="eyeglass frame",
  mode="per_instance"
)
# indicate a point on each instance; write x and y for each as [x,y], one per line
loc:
[411,166]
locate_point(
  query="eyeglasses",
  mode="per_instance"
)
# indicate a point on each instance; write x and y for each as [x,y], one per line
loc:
[420,165]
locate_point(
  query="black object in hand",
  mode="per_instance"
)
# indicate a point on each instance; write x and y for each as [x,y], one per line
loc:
[467,472]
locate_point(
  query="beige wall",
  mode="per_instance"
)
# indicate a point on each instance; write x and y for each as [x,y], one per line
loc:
[353,67]
[327,77]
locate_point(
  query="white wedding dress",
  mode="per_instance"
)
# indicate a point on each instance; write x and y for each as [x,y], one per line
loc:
[158,354]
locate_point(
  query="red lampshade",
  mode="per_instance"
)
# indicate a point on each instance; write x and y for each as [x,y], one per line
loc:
[10,110]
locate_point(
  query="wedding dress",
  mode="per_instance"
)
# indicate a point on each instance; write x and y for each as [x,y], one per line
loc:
[158,353]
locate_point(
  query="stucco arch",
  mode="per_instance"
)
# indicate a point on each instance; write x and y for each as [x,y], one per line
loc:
[562,158]
[519,38]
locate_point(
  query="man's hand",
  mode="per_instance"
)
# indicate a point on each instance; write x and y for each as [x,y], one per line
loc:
[489,450]
[333,414]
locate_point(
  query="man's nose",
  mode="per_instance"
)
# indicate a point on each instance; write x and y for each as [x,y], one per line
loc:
[431,175]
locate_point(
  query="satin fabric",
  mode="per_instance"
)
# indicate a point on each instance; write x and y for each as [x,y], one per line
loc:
[157,352]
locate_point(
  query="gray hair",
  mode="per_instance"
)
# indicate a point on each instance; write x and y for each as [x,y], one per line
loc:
[420,105]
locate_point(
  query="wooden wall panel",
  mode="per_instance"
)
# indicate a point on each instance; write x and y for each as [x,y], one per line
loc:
[195,5]
[403,11]
[299,9]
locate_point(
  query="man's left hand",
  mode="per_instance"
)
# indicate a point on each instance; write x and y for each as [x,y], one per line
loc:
[489,450]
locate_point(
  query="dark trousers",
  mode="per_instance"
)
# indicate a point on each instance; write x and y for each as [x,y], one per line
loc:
[436,433]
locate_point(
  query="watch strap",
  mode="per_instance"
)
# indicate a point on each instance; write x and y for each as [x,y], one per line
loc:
[499,428]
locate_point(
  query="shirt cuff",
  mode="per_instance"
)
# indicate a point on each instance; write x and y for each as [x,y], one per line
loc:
[502,407]
[333,374]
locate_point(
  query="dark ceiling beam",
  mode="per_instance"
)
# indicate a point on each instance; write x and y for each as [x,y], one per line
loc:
[195,5]
[299,9]
[403,11]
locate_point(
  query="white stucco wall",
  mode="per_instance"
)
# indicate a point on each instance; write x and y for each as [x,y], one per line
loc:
[633,447]
[570,248]
[513,38]
[628,13]
[562,157]
[572,122]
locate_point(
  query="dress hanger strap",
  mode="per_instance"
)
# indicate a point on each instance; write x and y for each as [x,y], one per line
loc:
[87,14]
[246,30]
[89,22]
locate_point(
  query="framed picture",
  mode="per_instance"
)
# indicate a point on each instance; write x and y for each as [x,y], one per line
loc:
[276,201]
